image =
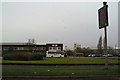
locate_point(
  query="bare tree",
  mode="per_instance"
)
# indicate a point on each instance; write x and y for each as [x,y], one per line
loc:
[31,42]
[104,43]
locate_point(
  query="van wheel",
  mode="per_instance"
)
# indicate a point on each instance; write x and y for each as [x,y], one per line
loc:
[51,56]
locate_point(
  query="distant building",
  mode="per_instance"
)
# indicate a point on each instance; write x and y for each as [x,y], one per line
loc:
[54,47]
[25,47]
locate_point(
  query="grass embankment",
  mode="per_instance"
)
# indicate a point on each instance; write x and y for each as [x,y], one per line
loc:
[13,72]
[67,61]
[57,66]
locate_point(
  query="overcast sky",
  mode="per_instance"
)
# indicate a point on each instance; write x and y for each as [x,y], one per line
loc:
[119,24]
[66,22]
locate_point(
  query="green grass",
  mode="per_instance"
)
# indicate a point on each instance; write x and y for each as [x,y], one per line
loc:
[0,59]
[57,66]
[13,72]
[67,61]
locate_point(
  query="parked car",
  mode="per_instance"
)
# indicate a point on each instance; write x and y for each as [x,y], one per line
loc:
[109,55]
[96,55]
[90,55]
[93,55]
[101,55]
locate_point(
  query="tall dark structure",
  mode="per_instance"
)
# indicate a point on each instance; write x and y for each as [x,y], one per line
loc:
[103,23]
[103,16]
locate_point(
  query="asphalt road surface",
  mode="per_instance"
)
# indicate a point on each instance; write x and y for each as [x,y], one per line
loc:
[60,68]
[89,77]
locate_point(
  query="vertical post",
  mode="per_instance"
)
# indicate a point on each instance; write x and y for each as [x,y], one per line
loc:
[106,55]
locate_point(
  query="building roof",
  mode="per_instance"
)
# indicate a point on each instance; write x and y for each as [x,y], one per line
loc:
[54,43]
[13,43]
[24,43]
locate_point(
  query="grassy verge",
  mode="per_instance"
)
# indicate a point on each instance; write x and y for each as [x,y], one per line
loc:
[13,72]
[67,61]
[57,66]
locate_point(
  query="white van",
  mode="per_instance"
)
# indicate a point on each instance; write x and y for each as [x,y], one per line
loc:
[55,54]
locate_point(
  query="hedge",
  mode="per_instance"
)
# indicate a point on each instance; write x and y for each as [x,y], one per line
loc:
[23,56]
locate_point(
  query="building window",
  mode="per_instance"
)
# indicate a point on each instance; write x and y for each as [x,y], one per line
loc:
[15,48]
[50,48]
[59,48]
[44,48]
[6,48]
[20,48]
[54,48]
[41,48]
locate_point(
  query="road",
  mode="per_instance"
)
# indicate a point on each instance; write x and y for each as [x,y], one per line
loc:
[89,57]
[88,77]
[60,68]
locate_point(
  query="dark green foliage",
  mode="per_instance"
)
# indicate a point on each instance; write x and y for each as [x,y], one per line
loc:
[69,53]
[38,56]
[23,56]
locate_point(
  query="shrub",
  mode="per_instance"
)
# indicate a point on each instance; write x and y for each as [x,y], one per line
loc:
[38,56]
[69,53]
[23,56]
[7,57]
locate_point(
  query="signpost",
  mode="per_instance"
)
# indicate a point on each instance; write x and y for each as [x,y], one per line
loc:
[103,23]
[103,17]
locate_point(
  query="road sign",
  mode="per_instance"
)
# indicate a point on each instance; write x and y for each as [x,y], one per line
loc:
[103,22]
[103,17]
